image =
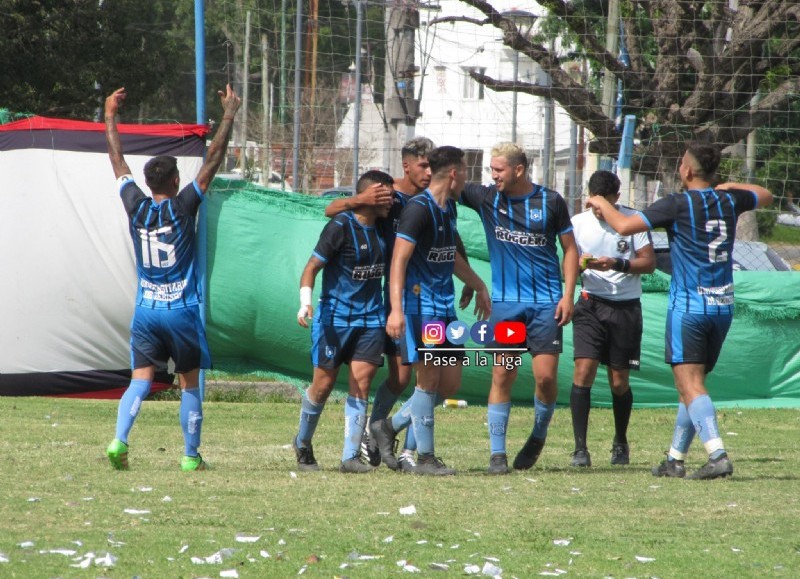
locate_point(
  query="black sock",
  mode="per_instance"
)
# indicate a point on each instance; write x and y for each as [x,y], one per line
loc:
[622,414]
[579,402]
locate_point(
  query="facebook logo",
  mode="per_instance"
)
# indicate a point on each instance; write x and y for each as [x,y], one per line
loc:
[481,332]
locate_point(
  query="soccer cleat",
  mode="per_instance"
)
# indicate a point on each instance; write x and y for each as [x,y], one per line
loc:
[406,461]
[498,463]
[430,465]
[384,435]
[369,448]
[529,454]
[670,468]
[191,463]
[719,468]
[356,465]
[620,453]
[305,457]
[117,453]
[581,458]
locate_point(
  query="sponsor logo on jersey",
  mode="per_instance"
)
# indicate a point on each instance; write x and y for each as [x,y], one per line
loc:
[442,254]
[520,237]
[365,272]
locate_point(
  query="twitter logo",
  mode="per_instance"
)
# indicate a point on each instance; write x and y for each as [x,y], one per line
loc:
[457,333]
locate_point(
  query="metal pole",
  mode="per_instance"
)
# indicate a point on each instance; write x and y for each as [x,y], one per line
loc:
[572,195]
[202,218]
[626,159]
[514,99]
[357,115]
[266,114]
[298,61]
[245,96]
[282,88]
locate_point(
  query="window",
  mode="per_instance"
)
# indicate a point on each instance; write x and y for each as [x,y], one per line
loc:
[474,160]
[472,89]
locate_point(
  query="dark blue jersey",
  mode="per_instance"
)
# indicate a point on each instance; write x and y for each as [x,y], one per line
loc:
[355,259]
[521,235]
[163,235]
[429,286]
[701,225]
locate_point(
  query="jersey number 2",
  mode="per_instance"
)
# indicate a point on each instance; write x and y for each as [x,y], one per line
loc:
[719,229]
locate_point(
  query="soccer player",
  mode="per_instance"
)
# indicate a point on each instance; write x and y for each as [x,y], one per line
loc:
[522,221]
[166,321]
[607,319]
[416,178]
[701,226]
[348,324]
[421,292]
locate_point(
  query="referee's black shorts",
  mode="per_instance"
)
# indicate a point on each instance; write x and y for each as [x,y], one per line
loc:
[609,331]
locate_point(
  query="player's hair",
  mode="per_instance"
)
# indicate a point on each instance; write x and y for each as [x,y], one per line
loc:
[418,147]
[442,158]
[158,172]
[514,154]
[603,183]
[372,177]
[707,157]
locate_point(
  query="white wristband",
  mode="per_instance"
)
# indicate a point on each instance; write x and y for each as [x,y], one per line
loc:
[305,296]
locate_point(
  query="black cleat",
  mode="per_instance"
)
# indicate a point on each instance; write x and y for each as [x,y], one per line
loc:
[719,468]
[529,453]
[356,465]
[427,464]
[407,462]
[498,463]
[670,468]
[369,448]
[581,458]
[620,453]
[383,434]
[305,457]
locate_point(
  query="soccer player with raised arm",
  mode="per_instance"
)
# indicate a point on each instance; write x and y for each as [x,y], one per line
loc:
[607,320]
[422,292]
[701,226]
[522,222]
[166,320]
[348,324]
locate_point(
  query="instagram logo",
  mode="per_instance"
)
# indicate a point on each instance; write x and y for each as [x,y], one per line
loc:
[433,333]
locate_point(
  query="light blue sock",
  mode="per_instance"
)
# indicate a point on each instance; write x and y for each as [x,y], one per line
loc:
[704,419]
[129,406]
[497,418]
[683,435]
[422,408]
[355,418]
[309,417]
[402,418]
[541,420]
[383,403]
[411,441]
[191,420]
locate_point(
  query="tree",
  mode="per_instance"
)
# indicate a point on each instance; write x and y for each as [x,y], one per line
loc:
[695,68]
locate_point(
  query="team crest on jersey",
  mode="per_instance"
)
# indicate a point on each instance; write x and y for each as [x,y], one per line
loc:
[623,246]
[416,289]
[536,214]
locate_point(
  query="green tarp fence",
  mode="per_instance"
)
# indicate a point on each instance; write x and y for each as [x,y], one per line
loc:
[260,240]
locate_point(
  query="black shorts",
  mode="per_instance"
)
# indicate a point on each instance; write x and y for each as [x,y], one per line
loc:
[608,331]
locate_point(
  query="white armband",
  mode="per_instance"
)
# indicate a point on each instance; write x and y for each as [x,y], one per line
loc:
[305,296]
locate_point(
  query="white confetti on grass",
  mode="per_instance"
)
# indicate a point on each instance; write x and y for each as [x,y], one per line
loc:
[4,559]
[229,573]
[491,569]
[34,500]
[65,552]
[409,510]
[643,559]
[166,499]
[562,542]
[471,569]
[389,539]
[108,560]
[214,558]
[146,489]
[439,566]
[247,538]
[264,554]
[183,549]
[26,544]
[137,511]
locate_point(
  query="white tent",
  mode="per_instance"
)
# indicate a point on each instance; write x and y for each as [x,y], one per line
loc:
[69,276]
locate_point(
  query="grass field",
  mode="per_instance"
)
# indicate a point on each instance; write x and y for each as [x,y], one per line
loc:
[64,510]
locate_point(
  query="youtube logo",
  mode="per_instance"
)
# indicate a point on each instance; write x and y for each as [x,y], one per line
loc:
[509,332]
